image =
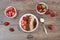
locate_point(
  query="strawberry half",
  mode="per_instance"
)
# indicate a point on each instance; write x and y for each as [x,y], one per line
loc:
[24,27]
[11,30]
[53,14]
[51,27]
[10,12]
[6,23]
[25,18]
[13,14]
[39,7]
[47,12]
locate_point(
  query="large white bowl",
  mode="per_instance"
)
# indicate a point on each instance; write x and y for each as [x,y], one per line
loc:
[12,16]
[41,3]
[26,15]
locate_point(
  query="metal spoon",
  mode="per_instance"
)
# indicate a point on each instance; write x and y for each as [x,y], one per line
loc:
[29,36]
[42,21]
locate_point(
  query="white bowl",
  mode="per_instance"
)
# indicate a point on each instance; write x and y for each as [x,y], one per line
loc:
[12,16]
[26,15]
[41,3]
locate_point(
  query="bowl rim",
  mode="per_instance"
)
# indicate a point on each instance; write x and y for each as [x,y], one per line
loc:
[41,3]
[21,19]
[14,9]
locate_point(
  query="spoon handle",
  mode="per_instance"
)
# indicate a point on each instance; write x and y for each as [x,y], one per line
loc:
[45,29]
[29,36]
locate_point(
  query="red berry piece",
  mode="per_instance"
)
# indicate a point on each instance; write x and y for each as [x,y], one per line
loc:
[25,18]
[50,27]
[23,24]
[53,14]
[38,7]
[6,23]
[11,30]
[47,12]
[24,27]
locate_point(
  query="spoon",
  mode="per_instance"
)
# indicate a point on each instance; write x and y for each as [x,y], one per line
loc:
[42,21]
[29,36]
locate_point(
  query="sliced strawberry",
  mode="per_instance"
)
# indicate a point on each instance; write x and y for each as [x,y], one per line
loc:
[13,13]
[42,7]
[53,14]
[47,12]
[24,27]
[51,27]
[23,24]
[7,11]
[10,14]
[7,14]
[25,18]
[11,30]
[6,23]
[13,10]
[23,21]
[38,7]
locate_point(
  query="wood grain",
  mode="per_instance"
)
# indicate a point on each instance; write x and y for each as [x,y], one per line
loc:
[28,6]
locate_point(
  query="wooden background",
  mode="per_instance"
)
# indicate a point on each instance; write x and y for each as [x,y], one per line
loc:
[28,6]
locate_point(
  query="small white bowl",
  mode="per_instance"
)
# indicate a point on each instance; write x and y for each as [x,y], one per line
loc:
[12,16]
[22,18]
[41,3]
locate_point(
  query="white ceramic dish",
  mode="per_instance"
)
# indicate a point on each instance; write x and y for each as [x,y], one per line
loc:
[41,3]
[12,16]
[26,15]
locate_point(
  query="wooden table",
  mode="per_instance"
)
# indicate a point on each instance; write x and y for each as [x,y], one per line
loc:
[28,6]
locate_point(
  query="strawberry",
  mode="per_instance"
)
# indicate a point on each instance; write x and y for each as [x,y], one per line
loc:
[52,14]
[6,23]
[42,7]
[7,14]
[10,14]
[23,24]
[13,11]
[47,12]
[7,11]
[24,27]
[13,14]
[11,30]
[39,7]
[50,27]
[25,18]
